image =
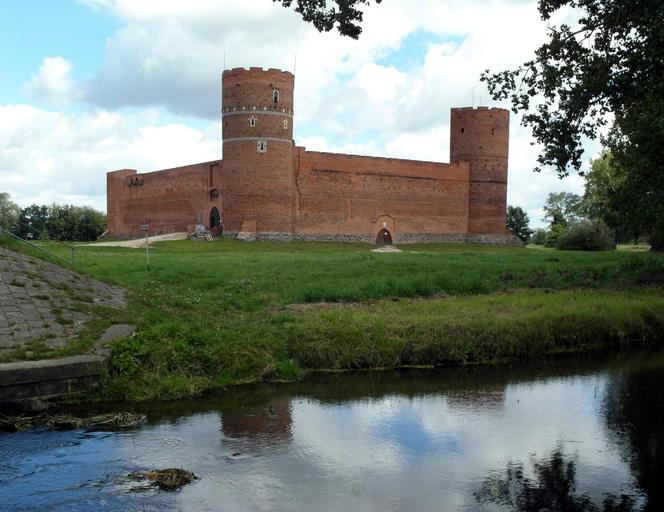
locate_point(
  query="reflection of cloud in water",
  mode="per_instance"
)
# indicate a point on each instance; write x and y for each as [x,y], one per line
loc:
[420,444]
[442,441]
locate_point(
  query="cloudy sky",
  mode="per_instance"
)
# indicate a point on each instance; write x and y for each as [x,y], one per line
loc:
[89,86]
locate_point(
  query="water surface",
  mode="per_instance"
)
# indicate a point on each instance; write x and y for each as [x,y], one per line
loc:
[578,436]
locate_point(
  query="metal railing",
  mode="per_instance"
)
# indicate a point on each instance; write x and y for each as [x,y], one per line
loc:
[71,248]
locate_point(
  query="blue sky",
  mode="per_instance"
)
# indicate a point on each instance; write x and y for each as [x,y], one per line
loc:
[90,86]
[33,29]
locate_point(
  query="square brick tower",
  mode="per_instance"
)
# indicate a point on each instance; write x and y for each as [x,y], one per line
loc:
[480,136]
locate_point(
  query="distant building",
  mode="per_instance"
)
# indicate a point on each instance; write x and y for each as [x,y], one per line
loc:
[268,188]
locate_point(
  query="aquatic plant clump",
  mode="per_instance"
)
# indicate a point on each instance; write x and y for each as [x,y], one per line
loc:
[69,422]
[170,479]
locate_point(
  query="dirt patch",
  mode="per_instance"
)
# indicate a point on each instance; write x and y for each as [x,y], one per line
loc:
[319,306]
[323,306]
[651,278]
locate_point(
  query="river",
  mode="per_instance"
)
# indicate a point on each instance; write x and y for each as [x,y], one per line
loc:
[565,435]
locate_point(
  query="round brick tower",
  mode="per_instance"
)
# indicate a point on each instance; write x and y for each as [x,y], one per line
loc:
[480,136]
[257,169]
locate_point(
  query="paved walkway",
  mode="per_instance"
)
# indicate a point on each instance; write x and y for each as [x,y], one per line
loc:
[139,243]
[42,302]
[386,248]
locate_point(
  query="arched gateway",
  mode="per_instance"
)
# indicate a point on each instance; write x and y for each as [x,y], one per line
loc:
[215,218]
[384,237]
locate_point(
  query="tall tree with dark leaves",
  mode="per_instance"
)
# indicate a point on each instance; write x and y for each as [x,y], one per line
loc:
[519,223]
[325,15]
[610,63]
[609,197]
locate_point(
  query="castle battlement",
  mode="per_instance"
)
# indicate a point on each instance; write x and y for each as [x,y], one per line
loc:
[254,69]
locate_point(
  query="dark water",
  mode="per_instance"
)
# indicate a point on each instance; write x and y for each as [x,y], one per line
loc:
[573,436]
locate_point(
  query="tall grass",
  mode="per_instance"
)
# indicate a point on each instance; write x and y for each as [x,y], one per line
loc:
[216,313]
[475,329]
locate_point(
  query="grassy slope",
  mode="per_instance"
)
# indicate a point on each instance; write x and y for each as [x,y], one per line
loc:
[212,314]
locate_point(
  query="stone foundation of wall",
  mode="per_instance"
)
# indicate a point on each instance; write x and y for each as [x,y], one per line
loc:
[406,238]
[510,240]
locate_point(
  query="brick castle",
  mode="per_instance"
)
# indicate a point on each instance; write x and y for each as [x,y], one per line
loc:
[268,188]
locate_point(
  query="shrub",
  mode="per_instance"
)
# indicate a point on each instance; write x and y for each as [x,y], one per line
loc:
[656,239]
[552,236]
[539,237]
[587,236]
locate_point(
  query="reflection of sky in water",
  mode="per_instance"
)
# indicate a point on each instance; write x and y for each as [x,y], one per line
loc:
[413,440]
[426,452]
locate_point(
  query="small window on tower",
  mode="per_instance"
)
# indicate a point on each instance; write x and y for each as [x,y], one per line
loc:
[261,146]
[252,121]
[285,124]
[275,96]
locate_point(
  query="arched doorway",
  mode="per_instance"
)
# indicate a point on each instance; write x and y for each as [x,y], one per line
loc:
[384,237]
[215,218]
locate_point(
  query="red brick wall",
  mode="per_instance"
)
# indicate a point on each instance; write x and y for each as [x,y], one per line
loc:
[287,190]
[172,199]
[345,194]
[480,136]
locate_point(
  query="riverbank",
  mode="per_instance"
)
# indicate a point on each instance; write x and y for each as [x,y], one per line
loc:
[214,314]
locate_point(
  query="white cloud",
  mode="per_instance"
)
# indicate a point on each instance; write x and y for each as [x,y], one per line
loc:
[170,54]
[48,156]
[53,83]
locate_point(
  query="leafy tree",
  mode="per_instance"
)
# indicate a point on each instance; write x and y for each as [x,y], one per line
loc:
[539,236]
[608,198]
[610,62]
[69,222]
[519,223]
[61,222]
[636,145]
[9,212]
[32,222]
[91,223]
[563,208]
[325,15]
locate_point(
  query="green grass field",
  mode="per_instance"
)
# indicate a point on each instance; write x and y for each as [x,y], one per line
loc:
[212,314]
